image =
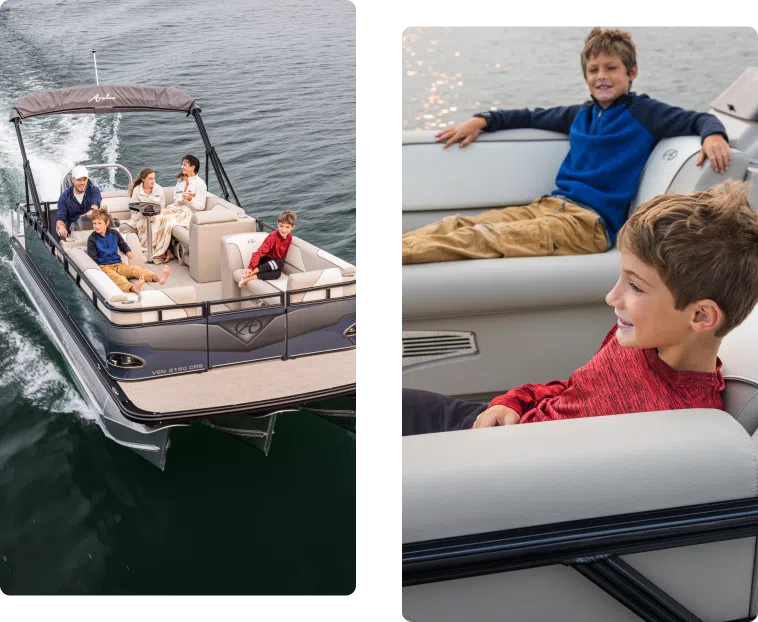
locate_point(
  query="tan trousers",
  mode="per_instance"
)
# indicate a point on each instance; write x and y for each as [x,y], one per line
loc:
[547,226]
[120,273]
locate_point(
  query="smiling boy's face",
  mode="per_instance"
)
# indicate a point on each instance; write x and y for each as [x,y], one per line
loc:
[284,229]
[645,309]
[608,78]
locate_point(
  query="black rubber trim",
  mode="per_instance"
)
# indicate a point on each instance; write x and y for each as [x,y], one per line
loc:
[580,541]
[635,591]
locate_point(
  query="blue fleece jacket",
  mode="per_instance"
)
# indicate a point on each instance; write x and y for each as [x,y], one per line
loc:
[69,208]
[608,147]
[104,248]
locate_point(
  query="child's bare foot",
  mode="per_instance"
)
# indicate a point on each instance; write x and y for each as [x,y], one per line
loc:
[163,276]
[245,279]
[137,289]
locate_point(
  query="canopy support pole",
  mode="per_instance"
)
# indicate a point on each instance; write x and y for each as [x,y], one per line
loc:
[210,152]
[29,177]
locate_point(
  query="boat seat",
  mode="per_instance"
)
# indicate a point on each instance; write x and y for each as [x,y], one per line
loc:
[117,204]
[200,239]
[740,371]
[78,239]
[305,265]
[149,299]
[540,281]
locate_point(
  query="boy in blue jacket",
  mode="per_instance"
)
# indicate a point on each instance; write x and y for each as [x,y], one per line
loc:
[610,138]
[103,245]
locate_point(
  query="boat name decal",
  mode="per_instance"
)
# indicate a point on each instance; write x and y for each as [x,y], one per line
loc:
[97,98]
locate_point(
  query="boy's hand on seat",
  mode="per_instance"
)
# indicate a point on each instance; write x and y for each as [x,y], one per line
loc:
[495,416]
[717,150]
[465,133]
[129,255]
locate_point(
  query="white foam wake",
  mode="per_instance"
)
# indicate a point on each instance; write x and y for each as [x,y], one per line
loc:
[35,377]
[53,146]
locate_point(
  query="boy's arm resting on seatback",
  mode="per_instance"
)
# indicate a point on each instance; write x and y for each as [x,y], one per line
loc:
[664,121]
[558,119]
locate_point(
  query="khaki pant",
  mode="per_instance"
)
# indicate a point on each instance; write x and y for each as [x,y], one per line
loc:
[547,226]
[120,273]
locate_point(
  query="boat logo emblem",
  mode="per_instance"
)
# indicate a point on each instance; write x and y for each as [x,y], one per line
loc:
[248,326]
[670,154]
[98,98]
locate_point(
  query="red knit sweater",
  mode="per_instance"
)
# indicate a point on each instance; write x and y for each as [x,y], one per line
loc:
[274,246]
[616,380]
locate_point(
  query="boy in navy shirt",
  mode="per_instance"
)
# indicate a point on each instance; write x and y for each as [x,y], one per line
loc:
[610,136]
[103,246]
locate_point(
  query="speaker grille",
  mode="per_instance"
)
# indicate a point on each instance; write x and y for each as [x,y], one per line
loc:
[421,346]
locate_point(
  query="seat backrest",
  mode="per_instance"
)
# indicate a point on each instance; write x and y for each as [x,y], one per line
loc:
[740,370]
[671,167]
[168,194]
[302,256]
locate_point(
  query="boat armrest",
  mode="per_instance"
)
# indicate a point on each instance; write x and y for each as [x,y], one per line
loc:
[213,216]
[205,231]
[132,241]
[491,479]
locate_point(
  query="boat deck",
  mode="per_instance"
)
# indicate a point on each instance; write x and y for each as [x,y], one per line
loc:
[243,384]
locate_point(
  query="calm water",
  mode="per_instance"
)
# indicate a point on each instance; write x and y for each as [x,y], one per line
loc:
[451,73]
[78,513]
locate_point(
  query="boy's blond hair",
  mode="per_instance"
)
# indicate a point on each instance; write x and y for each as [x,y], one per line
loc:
[287,217]
[703,245]
[101,214]
[612,42]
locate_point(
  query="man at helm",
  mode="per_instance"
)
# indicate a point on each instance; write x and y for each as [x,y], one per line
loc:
[76,202]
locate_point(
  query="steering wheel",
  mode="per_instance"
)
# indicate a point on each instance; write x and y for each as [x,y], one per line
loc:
[145,207]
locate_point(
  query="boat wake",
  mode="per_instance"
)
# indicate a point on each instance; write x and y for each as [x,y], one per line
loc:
[53,145]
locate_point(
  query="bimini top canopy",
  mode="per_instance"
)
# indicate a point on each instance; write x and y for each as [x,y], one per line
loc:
[98,99]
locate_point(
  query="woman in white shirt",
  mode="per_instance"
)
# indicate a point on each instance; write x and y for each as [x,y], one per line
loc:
[190,193]
[144,189]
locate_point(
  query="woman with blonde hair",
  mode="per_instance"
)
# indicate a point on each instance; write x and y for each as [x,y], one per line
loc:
[145,189]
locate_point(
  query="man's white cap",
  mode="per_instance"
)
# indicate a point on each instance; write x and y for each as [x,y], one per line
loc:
[79,172]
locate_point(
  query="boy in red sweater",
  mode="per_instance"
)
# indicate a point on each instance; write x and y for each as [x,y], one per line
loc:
[689,275]
[267,262]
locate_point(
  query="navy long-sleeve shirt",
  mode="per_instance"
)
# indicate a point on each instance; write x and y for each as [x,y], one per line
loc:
[69,209]
[608,146]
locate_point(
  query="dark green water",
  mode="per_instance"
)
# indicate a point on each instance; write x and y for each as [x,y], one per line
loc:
[80,514]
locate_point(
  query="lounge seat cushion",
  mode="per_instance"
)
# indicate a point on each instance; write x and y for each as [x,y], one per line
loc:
[114,296]
[258,287]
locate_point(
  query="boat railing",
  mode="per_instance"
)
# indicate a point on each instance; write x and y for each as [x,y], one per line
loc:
[65,182]
[205,308]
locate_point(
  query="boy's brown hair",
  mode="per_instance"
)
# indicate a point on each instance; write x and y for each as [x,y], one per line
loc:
[287,217]
[612,42]
[101,214]
[703,245]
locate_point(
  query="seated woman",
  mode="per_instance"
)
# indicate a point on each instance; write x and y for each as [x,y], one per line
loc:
[143,189]
[190,193]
